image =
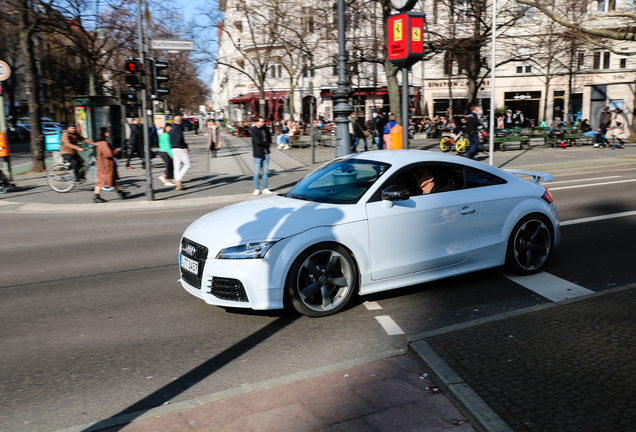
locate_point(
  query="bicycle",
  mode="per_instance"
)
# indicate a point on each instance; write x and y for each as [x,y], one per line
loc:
[455,140]
[60,176]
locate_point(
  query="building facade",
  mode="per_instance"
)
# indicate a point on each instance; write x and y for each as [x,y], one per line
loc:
[541,69]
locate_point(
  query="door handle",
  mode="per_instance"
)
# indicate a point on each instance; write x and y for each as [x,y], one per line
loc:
[467,210]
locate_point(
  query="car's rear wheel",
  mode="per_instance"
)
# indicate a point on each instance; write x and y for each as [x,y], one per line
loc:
[529,245]
[322,280]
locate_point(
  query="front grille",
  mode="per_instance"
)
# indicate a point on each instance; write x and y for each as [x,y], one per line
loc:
[200,254]
[227,289]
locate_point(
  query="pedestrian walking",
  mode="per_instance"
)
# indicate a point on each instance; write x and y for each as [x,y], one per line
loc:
[604,124]
[386,133]
[69,148]
[195,125]
[106,167]
[180,152]
[165,151]
[377,126]
[517,119]
[472,129]
[214,138]
[261,141]
[360,133]
[618,128]
[136,143]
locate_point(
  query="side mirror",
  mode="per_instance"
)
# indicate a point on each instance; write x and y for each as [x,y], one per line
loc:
[395,193]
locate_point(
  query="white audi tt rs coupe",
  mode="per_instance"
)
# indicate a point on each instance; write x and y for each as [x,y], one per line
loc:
[365,223]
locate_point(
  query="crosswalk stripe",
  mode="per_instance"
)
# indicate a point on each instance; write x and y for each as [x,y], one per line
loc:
[389,325]
[549,286]
[597,218]
[371,305]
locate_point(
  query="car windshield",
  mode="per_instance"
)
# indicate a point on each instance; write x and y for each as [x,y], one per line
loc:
[342,181]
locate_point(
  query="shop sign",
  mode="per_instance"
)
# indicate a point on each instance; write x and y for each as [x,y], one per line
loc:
[406,42]
[434,84]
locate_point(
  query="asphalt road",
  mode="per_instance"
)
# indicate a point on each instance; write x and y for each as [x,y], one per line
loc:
[93,323]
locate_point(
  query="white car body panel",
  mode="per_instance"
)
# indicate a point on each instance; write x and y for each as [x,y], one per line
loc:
[424,238]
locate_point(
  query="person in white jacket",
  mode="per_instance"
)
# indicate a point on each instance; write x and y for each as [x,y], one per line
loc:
[618,127]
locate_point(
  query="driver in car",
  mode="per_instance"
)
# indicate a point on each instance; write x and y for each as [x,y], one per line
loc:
[425,180]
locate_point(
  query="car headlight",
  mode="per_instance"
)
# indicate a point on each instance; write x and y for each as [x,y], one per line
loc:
[246,251]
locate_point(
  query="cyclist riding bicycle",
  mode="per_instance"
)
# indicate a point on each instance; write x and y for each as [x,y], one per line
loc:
[70,146]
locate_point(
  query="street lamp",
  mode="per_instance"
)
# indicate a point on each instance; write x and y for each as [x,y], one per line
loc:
[341,108]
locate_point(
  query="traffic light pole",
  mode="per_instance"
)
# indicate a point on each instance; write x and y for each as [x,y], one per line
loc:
[150,195]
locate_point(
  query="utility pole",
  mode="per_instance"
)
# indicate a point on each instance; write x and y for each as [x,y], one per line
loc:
[150,195]
[341,108]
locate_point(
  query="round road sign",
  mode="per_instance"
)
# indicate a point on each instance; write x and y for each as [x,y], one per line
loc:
[5,71]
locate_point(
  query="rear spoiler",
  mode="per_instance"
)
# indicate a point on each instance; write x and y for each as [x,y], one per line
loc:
[536,175]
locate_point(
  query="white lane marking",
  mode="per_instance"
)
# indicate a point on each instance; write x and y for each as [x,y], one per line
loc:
[597,218]
[584,179]
[591,185]
[549,286]
[389,325]
[372,305]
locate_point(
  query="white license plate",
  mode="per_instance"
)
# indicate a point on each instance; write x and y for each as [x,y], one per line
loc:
[189,264]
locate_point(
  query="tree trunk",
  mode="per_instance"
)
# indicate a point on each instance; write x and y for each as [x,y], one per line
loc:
[25,34]
[290,100]
[393,89]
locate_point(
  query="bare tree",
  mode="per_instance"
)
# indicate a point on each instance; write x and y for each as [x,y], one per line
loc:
[616,25]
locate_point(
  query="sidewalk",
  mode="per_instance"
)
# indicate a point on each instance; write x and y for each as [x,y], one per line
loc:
[228,178]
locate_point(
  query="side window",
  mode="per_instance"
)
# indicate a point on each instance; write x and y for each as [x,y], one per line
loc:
[478,178]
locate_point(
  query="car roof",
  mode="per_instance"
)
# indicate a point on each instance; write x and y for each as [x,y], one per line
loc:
[400,158]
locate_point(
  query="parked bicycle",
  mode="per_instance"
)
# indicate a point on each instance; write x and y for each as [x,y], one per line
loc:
[455,140]
[61,178]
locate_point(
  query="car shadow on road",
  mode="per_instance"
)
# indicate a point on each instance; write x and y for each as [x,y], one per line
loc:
[196,375]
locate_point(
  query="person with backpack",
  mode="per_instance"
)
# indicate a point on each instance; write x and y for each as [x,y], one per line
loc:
[392,134]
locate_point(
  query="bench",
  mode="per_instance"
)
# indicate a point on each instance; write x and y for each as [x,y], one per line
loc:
[503,141]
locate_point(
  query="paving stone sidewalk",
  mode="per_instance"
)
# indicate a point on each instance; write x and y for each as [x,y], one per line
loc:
[568,366]
[387,395]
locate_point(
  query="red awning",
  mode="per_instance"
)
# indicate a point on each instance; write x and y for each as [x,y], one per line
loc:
[254,96]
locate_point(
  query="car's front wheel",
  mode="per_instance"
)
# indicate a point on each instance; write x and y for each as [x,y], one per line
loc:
[322,280]
[529,245]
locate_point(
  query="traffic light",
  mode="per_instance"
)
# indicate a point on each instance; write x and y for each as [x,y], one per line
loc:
[128,97]
[133,72]
[156,66]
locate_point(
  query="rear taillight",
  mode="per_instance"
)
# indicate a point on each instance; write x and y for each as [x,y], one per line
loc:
[547,197]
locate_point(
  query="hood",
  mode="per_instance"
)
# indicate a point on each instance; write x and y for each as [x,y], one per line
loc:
[268,218]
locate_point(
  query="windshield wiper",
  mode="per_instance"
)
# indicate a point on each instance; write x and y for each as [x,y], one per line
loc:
[304,198]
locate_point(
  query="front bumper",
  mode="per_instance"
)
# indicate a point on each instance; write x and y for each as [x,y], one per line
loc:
[244,283]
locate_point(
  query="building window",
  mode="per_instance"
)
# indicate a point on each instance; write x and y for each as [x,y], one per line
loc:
[606,60]
[448,63]
[623,64]
[519,69]
[463,11]
[597,60]
[307,19]
[239,25]
[528,69]
[580,61]
[308,73]
[606,5]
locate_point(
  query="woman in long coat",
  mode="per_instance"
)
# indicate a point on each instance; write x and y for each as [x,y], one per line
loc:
[214,138]
[618,128]
[106,167]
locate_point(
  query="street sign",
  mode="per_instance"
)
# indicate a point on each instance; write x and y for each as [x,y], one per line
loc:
[5,71]
[172,44]
[406,44]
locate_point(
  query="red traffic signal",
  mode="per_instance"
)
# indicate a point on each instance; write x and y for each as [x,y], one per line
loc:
[133,72]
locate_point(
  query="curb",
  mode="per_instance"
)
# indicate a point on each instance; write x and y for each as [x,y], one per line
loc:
[480,414]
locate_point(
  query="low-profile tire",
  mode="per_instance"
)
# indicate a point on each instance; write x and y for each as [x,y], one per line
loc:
[445,144]
[530,245]
[322,280]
